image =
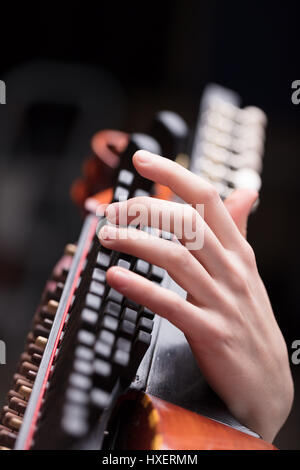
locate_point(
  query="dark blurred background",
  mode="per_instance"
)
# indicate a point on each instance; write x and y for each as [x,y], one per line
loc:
[72,70]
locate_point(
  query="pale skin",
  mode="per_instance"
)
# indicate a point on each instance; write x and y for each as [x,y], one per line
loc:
[227,317]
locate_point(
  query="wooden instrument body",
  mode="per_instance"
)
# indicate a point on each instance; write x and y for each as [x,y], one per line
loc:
[155,424]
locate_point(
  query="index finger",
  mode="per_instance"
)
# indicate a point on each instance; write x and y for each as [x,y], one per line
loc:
[193,190]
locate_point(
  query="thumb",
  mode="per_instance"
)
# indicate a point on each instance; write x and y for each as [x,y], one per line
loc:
[239,205]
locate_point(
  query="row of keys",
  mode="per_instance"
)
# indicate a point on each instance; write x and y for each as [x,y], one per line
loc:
[113,338]
[229,144]
[114,332]
[103,341]
[12,414]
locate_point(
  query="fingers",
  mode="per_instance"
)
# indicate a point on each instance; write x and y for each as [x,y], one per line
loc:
[180,219]
[239,205]
[164,302]
[193,190]
[173,257]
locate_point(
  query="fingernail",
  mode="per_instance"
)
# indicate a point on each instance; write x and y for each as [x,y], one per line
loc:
[142,156]
[111,212]
[108,232]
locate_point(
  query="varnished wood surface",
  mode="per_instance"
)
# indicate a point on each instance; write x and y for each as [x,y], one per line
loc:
[158,425]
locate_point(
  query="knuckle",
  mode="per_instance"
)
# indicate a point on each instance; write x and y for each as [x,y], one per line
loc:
[238,280]
[176,305]
[226,336]
[248,255]
[211,195]
[222,335]
[177,257]
[174,312]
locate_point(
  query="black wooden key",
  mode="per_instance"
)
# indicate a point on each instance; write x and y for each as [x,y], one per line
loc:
[139,141]
[127,328]
[145,324]
[157,273]
[140,346]
[146,312]
[172,133]
[131,304]
[115,296]
[112,308]
[123,344]
[130,315]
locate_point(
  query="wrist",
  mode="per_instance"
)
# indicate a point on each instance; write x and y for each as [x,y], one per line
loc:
[271,414]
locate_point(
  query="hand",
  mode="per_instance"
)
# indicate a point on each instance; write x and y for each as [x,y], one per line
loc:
[227,317]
